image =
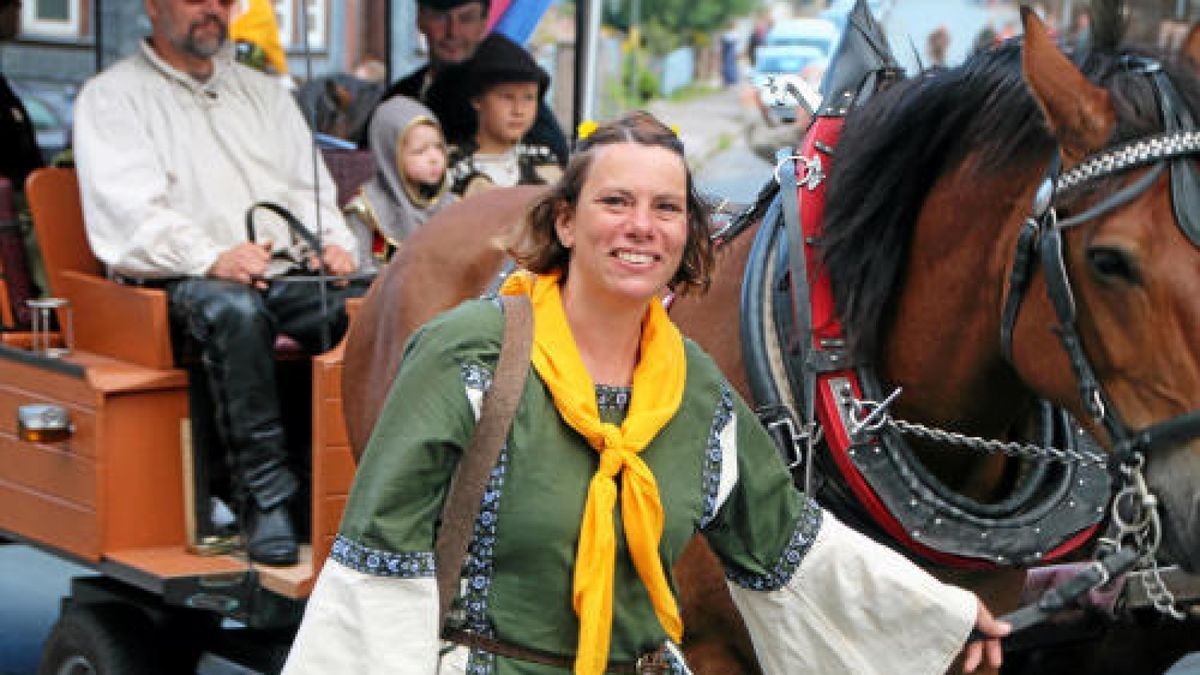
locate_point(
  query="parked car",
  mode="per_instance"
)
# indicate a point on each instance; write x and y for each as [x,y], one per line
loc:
[782,74]
[820,34]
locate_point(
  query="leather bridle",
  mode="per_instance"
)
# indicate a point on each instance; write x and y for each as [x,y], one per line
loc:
[1041,236]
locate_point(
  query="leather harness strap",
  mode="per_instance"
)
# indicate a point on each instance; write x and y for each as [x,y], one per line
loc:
[465,495]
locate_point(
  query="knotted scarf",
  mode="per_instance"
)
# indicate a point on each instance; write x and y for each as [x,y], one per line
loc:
[658,381]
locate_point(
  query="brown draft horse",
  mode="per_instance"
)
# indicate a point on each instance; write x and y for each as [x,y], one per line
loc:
[959,189]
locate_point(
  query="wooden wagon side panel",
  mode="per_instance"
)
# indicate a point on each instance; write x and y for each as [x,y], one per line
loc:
[333,463]
[142,481]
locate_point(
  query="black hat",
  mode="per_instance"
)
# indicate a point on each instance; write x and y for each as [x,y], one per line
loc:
[499,60]
[444,5]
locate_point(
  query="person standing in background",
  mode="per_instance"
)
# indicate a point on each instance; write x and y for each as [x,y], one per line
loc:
[936,46]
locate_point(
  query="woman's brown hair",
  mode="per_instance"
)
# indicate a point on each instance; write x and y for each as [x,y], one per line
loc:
[536,247]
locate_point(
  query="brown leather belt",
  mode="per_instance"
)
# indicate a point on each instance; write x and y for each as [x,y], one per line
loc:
[650,663]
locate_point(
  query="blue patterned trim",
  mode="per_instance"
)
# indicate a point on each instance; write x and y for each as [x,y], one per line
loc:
[380,563]
[802,539]
[609,397]
[710,481]
[476,377]
[478,566]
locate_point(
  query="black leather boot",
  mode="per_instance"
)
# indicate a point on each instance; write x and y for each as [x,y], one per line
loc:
[267,487]
[269,535]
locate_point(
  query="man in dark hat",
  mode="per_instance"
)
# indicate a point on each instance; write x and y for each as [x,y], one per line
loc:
[454,29]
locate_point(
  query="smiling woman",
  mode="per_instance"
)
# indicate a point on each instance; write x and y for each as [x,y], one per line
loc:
[628,442]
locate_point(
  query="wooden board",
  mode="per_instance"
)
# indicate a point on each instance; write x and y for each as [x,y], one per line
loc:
[155,565]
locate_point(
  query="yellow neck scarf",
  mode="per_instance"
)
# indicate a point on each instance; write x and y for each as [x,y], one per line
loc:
[658,381]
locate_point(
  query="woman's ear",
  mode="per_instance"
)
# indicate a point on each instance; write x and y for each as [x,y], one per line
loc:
[475,103]
[564,225]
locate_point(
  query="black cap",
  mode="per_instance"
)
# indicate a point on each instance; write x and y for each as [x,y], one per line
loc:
[444,5]
[499,60]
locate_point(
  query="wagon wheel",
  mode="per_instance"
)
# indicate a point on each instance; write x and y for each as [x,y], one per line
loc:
[100,639]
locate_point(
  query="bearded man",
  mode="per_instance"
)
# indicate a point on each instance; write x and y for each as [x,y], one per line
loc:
[173,145]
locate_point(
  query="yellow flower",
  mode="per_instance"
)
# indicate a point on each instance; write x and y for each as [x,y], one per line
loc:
[675,129]
[586,128]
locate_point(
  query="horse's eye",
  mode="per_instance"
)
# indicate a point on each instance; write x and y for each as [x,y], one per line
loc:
[1113,264]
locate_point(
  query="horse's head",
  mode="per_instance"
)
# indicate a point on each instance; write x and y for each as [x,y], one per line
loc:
[1129,233]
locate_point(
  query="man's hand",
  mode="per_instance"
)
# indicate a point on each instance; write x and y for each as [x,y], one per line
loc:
[245,263]
[988,650]
[338,260]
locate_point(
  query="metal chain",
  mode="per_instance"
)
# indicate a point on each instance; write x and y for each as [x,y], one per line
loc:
[1158,593]
[1010,448]
[1143,532]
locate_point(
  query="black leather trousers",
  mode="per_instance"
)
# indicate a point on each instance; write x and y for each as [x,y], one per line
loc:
[234,327]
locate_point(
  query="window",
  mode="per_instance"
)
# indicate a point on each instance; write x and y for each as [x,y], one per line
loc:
[57,18]
[316,22]
[287,12]
[283,15]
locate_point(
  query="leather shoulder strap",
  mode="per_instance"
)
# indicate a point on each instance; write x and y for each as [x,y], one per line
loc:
[470,479]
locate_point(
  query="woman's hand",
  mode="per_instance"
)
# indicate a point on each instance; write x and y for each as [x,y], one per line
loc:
[989,650]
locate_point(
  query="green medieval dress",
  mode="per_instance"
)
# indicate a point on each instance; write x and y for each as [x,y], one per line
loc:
[718,475]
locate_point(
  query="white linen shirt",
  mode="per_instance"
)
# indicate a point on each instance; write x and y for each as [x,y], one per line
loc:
[168,165]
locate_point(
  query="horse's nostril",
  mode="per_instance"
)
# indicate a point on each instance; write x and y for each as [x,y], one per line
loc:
[1113,264]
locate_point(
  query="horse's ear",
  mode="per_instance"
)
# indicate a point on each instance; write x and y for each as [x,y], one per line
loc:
[1078,114]
[1191,46]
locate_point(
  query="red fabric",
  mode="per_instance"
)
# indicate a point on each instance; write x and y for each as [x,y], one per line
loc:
[498,8]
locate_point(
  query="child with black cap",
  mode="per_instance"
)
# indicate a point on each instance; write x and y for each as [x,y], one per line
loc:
[505,85]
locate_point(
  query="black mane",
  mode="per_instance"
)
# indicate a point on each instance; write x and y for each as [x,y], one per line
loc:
[904,139]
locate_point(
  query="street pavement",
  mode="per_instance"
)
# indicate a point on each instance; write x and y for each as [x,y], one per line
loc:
[710,122]
[31,585]
[724,137]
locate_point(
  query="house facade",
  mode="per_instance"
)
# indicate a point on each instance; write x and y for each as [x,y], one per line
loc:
[63,42]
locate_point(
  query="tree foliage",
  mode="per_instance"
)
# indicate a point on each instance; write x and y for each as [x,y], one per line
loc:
[668,24]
